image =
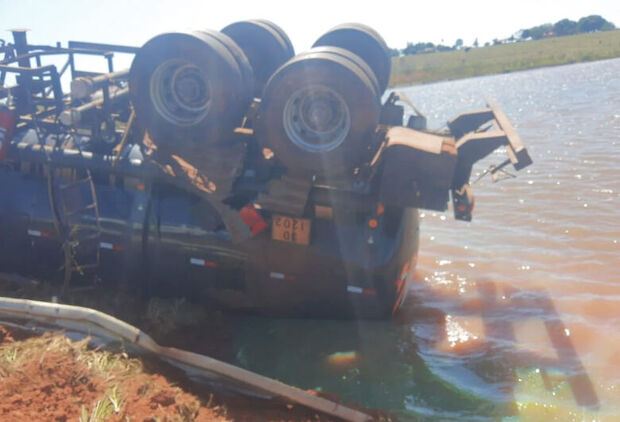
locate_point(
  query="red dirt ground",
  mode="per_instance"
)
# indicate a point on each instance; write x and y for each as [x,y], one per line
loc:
[52,378]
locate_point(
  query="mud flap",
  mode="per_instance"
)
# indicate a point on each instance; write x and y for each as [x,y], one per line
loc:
[463,202]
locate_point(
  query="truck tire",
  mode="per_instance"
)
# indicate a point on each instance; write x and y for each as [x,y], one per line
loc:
[189,89]
[265,47]
[280,31]
[242,60]
[364,42]
[289,45]
[356,61]
[317,113]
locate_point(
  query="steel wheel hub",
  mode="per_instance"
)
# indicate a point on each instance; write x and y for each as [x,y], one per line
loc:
[180,92]
[316,118]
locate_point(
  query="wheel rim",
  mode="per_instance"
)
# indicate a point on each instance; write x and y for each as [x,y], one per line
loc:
[316,118]
[180,92]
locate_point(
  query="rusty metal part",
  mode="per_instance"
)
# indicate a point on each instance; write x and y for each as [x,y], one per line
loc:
[118,149]
[475,145]
[73,116]
[469,122]
[209,172]
[418,168]
[85,86]
[517,153]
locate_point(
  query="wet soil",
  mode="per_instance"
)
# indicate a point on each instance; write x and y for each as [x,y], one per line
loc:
[50,377]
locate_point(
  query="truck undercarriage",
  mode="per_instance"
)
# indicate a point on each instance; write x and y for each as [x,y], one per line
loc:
[225,168]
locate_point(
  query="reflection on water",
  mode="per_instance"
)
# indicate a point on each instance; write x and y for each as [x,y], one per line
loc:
[514,316]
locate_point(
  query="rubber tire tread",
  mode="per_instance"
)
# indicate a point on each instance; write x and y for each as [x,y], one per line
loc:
[242,60]
[357,60]
[289,45]
[265,49]
[365,42]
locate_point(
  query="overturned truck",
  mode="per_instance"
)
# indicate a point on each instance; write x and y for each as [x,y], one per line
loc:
[223,167]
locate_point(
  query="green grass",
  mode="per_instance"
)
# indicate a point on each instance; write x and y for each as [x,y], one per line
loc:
[423,68]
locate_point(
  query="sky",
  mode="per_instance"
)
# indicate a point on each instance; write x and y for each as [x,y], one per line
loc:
[132,22]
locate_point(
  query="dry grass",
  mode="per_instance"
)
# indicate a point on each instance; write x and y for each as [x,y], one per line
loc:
[424,68]
[86,384]
[13,355]
[111,368]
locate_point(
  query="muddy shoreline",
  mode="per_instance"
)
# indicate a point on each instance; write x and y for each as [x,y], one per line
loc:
[171,322]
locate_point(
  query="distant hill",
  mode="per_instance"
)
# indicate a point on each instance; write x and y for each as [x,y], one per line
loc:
[501,58]
[564,27]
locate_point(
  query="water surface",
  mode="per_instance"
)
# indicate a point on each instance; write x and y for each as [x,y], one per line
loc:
[513,316]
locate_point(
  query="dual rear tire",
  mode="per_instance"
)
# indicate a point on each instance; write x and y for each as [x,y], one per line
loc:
[190,88]
[318,111]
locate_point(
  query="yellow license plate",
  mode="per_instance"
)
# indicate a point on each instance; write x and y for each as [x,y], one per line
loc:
[289,229]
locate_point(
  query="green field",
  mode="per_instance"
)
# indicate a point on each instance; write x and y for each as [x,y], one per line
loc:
[422,68]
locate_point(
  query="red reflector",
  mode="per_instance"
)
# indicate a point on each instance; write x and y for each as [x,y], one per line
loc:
[7,123]
[252,219]
[203,262]
[38,233]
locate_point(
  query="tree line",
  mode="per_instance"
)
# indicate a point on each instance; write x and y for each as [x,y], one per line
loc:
[592,23]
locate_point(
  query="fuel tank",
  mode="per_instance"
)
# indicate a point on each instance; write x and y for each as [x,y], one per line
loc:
[157,239]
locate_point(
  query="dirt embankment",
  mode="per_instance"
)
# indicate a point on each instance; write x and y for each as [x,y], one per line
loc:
[50,377]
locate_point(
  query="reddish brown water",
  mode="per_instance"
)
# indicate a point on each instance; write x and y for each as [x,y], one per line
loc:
[514,316]
[534,279]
